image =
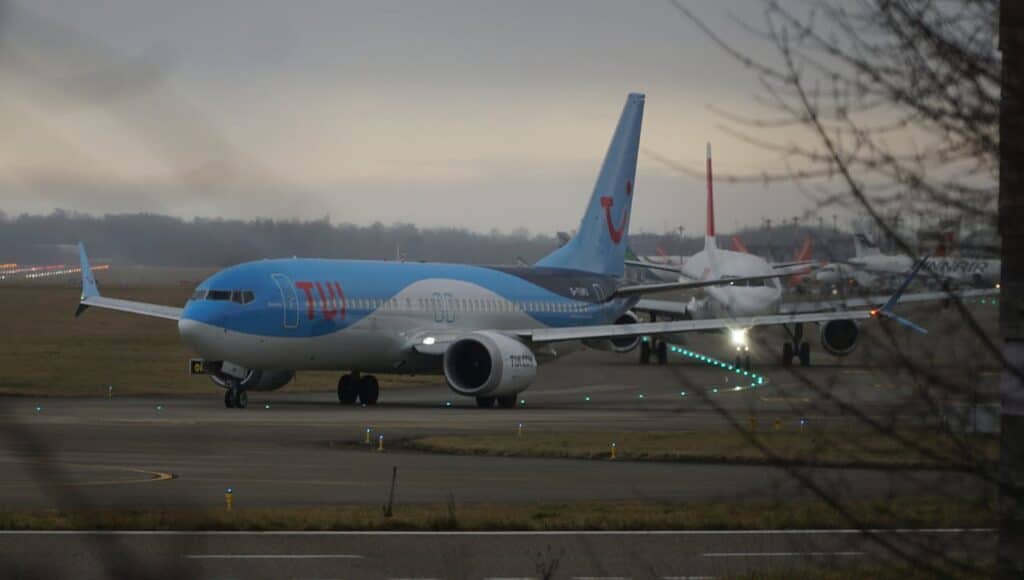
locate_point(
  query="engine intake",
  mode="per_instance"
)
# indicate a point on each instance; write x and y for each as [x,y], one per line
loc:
[839,337]
[620,344]
[487,364]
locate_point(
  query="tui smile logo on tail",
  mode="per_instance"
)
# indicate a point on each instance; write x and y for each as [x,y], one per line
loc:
[616,233]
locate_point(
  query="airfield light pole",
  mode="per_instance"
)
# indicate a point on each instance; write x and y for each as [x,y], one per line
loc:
[1011,310]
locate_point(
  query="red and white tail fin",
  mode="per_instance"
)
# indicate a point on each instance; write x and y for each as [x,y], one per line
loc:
[709,233]
[802,255]
[739,246]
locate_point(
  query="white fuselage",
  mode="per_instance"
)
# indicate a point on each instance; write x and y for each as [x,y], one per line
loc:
[742,299]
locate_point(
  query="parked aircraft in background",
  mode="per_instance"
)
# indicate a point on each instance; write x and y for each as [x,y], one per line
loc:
[755,290]
[979,272]
[485,329]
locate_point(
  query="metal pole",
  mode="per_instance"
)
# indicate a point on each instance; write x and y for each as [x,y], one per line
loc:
[1010,561]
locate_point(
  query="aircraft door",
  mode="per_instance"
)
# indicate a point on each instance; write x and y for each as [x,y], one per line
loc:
[289,300]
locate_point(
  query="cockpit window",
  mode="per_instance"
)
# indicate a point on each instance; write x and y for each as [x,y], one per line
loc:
[243,296]
[198,295]
[218,295]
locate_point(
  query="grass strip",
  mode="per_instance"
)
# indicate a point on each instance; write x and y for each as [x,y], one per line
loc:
[899,512]
[810,447]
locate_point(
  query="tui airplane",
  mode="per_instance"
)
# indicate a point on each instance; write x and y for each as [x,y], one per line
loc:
[485,329]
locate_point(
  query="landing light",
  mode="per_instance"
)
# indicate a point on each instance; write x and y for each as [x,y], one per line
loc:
[738,337]
[429,340]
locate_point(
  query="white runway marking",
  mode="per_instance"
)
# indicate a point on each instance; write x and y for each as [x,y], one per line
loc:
[273,556]
[495,533]
[778,554]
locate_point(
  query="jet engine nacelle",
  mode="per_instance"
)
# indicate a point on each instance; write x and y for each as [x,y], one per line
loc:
[620,344]
[839,337]
[489,364]
[255,380]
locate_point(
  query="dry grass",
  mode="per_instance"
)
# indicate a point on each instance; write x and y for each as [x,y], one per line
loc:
[899,512]
[840,448]
[46,351]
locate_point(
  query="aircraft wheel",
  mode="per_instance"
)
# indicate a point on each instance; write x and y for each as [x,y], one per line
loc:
[369,390]
[485,402]
[662,351]
[346,390]
[787,353]
[645,352]
[746,363]
[507,402]
[738,363]
[229,401]
[241,398]
[805,354]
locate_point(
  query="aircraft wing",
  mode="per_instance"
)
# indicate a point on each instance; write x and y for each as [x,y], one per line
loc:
[91,297]
[542,335]
[661,306]
[872,301]
[640,289]
[797,264]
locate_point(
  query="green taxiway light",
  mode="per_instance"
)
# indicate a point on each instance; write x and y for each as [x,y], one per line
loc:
[587,398]
[682,393]
[522,401]
[159,407]
[714,390]
[640,396]
[39,408]
[266,405]
[447,403]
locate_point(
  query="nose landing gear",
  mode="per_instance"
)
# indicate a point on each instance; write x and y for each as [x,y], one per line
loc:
[235,397]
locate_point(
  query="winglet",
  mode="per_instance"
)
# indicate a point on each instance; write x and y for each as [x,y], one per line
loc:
[886,309]
[89,288]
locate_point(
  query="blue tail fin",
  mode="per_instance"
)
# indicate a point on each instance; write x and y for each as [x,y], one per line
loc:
[600,244]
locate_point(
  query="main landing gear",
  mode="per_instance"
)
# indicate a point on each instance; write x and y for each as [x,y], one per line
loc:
[235,397]
[650,345]
[505,402]
[353,387]
[796,346]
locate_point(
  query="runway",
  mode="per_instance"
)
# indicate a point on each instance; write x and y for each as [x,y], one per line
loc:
[578,555]
[304,449]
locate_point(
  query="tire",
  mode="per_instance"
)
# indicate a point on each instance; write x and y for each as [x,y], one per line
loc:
[485,402]
[507,402]
[738,363]
[805,354]
[241,399]
[787,353]
[346,390]
[229,401]
[662,352]
[369,390]
[645,352]
[746,363]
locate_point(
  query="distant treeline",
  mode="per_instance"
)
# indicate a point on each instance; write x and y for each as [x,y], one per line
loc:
[150,239]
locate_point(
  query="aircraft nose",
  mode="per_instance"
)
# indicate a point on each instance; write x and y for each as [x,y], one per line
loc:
[189,330]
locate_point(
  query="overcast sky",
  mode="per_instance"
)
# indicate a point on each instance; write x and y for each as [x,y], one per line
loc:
[442,113]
